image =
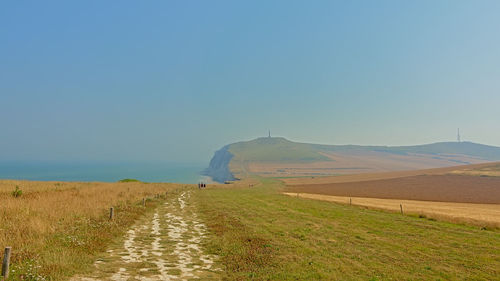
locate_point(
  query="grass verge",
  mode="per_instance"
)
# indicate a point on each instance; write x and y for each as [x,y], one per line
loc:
[261,234]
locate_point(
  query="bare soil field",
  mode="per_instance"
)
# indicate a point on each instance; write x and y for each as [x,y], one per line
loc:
[442,188]
[479,214]
[483,169]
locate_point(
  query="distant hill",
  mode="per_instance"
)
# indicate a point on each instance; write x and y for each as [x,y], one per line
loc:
[279,157]
[276,149]
[464,148]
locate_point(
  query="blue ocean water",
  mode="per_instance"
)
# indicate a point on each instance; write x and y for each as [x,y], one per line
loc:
[103,172]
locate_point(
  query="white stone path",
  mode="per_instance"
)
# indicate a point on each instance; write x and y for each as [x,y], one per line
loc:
[167,246]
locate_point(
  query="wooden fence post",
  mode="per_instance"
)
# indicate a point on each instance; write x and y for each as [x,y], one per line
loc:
[144,202]
[5,264]
[401,208]
[111,213]
[350,201]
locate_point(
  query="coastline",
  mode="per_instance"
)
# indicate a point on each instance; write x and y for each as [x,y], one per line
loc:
[103,172]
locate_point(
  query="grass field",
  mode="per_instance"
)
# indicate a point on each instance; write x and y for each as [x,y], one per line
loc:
[261,234]
[56,229]
[345,163]
[483,215]
[275,149]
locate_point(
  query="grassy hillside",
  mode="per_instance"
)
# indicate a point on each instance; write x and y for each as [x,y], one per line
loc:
[264,235]
[279,157]
[465,148]
[275,150]
[283,150]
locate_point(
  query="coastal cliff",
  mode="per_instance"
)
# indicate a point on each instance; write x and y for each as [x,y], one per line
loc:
[279,157]
[218,169]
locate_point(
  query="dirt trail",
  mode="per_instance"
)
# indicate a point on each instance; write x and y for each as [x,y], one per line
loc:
[166,246]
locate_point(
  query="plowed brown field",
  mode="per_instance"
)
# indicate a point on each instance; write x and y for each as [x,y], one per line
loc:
[476,169]
[442,188]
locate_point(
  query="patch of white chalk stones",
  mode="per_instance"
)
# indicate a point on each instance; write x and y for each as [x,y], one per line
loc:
[181,259]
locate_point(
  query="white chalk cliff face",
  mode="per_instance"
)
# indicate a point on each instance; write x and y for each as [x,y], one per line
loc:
[218,168]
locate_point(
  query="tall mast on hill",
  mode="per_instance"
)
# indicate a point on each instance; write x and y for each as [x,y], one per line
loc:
[458,135]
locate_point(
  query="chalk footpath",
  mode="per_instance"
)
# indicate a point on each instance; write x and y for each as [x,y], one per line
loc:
[165,246]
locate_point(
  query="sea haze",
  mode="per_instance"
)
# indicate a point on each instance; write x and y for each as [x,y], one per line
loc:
[103,172]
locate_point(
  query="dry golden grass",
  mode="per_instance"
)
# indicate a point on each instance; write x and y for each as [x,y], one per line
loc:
[55,228]
[491,170]
[477,214]
[478,173]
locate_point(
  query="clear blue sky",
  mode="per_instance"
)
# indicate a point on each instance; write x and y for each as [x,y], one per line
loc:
[176,80]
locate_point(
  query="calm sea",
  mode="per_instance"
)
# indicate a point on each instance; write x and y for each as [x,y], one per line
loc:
[104,172]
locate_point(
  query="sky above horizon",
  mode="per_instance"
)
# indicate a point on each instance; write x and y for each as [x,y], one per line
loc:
[176,80]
